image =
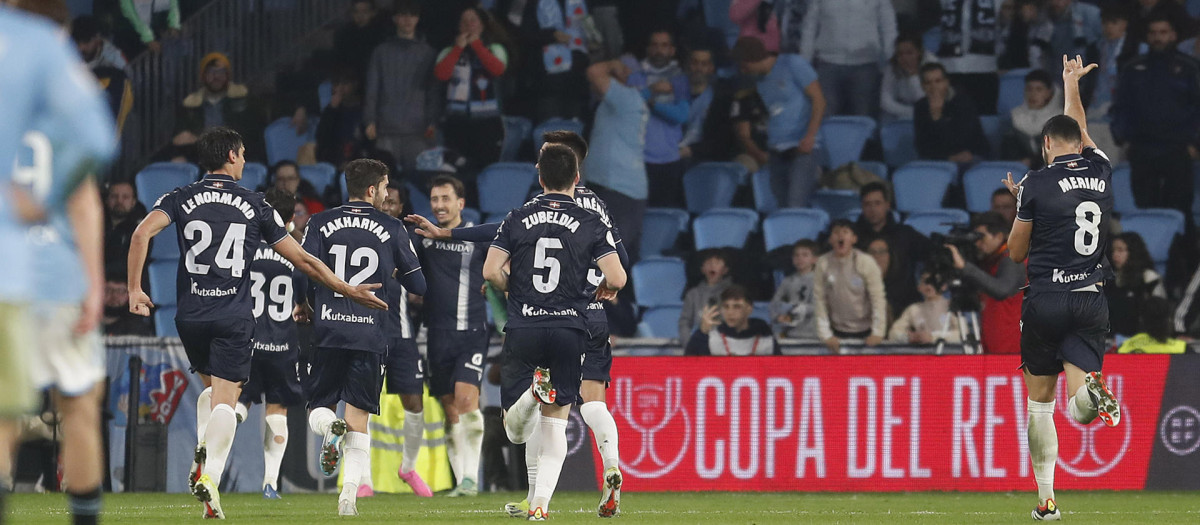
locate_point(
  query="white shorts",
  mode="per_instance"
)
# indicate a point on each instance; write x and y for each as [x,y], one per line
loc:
[16,393]
[70,363]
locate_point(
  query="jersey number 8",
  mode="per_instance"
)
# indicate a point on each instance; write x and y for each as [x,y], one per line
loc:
[1087,237]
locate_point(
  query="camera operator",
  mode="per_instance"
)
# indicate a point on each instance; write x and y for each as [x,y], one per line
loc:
[999,281]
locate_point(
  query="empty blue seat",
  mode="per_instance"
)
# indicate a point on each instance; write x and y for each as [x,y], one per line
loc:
[993,128]
[1122,189]
[471,215]
[254,175]
[160,178]
[165,245]
[836,203]
[724,228]
[1158,227]
[875,167]
[321,175]
[504,185]
[921,187]
[930,221]
[516,131]
[789,225]
[283,143]
[324,93]
[660,229]
[711,185]
[762,310]
[659,281]
[843,138]
[162,281]
[897,140]
[984,178]
[932,39]
[164,322]
[661,322]
[1012,91]
[764,198]
[419,201]
[554,124]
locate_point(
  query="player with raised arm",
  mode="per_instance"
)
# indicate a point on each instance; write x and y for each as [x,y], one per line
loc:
[274,372]
[219,225]
[1062,227]
[364,245]
[597,362]
[552,243]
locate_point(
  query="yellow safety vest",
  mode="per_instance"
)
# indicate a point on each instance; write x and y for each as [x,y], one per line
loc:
[1144,344]
[387,442]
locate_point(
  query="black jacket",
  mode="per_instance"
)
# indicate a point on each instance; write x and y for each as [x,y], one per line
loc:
[958,130]
[1158,100]
[908,249]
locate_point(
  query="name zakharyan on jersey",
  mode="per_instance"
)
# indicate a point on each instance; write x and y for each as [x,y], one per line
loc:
[218,197]
[327,314]
[363,223]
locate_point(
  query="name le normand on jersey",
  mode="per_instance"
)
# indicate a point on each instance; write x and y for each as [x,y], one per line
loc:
[217,197]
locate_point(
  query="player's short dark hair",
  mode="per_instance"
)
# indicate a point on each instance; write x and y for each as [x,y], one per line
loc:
[214,145]
[460,191]
[84,29]
[362,174]
[810,244]
[283,202]
[1002,191]
[407,7]
[872,187]
[1063,128]
[1039,75]
[993,221]
[842,223]
[735,292]
[932,66]
[569,139]
[557,167]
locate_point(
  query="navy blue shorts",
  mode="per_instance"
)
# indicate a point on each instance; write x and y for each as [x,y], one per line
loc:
[455,356]
[218,348]
[276,378]
[404,372]
[353,376]
[1063,326]
[597,361]
[559,349]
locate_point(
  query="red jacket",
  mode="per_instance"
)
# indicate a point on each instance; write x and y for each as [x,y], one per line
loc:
[1000,320]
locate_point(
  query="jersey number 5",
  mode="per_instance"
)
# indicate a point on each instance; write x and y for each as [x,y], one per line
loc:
[1087,237]
[541,261]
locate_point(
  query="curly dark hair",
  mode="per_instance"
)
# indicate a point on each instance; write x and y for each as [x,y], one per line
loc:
[1133,273]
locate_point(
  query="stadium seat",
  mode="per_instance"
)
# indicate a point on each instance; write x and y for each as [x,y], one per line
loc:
[660,229]
[855,213]
[789,225]
[165,245]
[921,186]
[419,201]
[984,178]
[1012,91]
[659,281]
[724,228]
[164,322]
[843,138]
[1122,188]
[283,143]
[504,185]
[320,175]
[875,167]
[324,93]
[1158,227]
[711,185]
[836,203]
[162,281]
[661,322]
[516,130]
[554,124]
[160,178]
[930,221]
[932,39]
[762,310]
[764,198]
[471,215]
[993,129]
[254,175]
[897,140]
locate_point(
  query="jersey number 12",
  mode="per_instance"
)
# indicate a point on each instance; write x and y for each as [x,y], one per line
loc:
[363,257]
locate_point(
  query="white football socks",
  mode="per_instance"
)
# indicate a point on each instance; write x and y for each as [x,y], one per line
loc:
[550,462]
[456,443]
[275,439]
[1043,446]
[222,425]
[518,419]
[533,449]
[357,458]
[1081,407]
[320,419]
[203,412]
[242,412]
[414,437]
[472,435]
[604,430]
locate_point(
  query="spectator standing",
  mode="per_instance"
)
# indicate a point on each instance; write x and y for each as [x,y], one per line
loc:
[354,42]
[968,49]
[472,68]
[848,292]
[945,123]
[145,22]
[700,73]
[847,41]
[1134,283]
[790,14]
[95,50]
[1157,111]
[908,248]
[728,330]
[901,87]
[402,100]
[220,102]
[757,19]
[999,281]
[749,118]
[554,53]
[1005,204]
[1146,11]
[795,106]
[928,321]
[792,305]
[339,132]
[715,271]
[1116,47]
[1042,101]
[122,213]
[1064,27]
[615,169]
[665,87]
[1012,43]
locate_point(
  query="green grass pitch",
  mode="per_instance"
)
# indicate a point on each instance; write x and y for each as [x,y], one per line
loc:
[653,508]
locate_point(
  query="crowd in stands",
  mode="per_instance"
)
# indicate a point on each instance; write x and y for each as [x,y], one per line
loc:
[661,88]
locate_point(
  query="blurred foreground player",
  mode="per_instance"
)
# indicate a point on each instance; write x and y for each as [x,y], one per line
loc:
[219,225]
[551,242]
[1062,226]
